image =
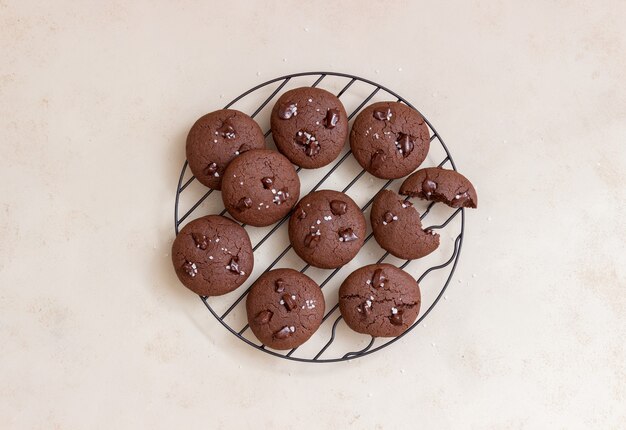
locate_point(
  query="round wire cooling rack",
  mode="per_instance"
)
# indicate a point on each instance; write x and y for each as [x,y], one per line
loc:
[331,342]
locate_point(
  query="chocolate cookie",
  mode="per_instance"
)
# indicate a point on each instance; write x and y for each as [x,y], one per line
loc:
[398,229]
[309,126]
[215,139]
[260,187]
[389,139]
[285,308]
[327,229]
[212,255]
[441,185]
[380,300]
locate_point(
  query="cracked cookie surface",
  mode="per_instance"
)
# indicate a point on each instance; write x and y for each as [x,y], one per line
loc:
[398,229]
[389,139]
[260,187]
[441,185]
[216,139]
[212,255]
[380,300]
[327,229]
[284,308]
[309,126]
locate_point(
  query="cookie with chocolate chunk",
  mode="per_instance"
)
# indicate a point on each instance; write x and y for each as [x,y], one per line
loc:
[284,308]
[441,185]
[398,229]
[389,139]
[212,255]
[309,126]
[216,139]
[327,229]
[380,300]
[260,187]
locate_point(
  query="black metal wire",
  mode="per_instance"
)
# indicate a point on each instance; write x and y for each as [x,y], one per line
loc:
[453,260]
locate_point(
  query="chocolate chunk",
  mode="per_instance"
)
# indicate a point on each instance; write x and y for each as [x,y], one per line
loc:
[347,235]
[332,117]
[233,266]
[406,203]
[311,239]
[300,213]
[284,332]
[287,110]
[210,169]
[267,182]
[244,203]
[279,285]
[227,131]
[377,160]
[337,207]
[382,114]
[312,149]
[396,319]
[428,186]
[405,144]
[289,302]
[190,268]
[459,199]
[388,217]
[200,240]
[378,279]
[309,142]
[263,317]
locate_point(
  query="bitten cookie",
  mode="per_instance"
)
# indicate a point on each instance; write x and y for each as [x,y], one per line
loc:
[398,229]
[389,139]
[212,255]
[441,185]
[260,187]
[327,229]
[309,126]
[215,139]
[285,308]
[380,300]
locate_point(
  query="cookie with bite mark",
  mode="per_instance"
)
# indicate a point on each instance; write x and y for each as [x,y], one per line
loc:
[441,185]
[398,229]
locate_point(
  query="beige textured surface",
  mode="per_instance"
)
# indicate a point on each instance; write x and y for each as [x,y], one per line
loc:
[95,102]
